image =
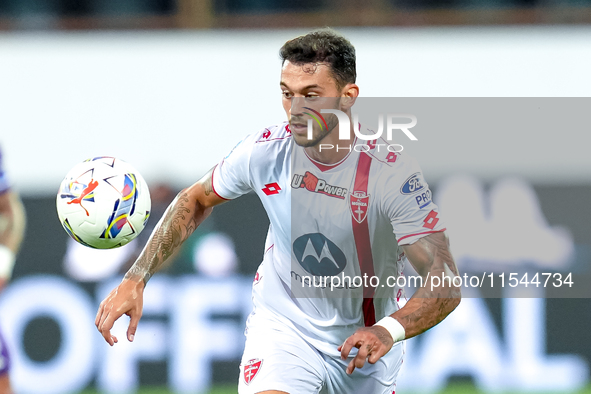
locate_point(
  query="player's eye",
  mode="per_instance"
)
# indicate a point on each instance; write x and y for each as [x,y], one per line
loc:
[286,94]
[311,97]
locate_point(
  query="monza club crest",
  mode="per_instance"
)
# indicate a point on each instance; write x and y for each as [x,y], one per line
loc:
[359,204]
[251,369]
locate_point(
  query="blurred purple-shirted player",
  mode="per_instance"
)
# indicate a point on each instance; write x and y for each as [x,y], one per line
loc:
[12,226]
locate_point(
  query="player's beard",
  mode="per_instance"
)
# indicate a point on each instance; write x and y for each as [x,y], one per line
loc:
[319,132]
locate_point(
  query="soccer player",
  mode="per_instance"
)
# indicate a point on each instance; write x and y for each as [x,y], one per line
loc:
[12,228]
[343,211]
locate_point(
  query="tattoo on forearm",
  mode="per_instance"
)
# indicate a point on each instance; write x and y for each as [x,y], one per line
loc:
[177,224]
[429,306]
[208,184]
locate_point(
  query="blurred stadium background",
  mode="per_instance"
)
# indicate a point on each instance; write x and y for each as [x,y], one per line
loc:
[172,85]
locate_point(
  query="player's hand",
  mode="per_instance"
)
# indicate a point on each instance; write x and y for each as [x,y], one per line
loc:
[128,299]
[372,342]
[310,180]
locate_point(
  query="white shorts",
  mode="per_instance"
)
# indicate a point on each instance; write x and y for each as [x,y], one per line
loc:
[276,357]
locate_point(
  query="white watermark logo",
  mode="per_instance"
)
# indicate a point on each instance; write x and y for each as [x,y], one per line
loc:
[345,125]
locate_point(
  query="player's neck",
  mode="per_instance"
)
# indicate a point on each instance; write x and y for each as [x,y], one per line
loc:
[331,149]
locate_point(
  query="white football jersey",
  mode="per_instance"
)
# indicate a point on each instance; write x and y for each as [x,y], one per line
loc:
[340,222]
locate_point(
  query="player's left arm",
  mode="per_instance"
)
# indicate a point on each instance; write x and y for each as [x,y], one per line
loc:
[430,304]
[431,257]
[12,229]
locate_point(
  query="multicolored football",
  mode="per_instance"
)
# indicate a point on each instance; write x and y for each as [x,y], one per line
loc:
[103,203]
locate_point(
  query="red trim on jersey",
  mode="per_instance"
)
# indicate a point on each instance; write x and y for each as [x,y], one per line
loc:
[362,241]
[273,139]
[213,187]
[426,232]
[325,167]
[269,248]
[263,139]
[320,166]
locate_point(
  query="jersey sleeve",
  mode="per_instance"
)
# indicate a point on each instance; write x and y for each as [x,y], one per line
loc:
[4,185]
[231,177]
[411,210]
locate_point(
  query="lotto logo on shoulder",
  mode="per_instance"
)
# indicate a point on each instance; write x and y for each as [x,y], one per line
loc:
[271,188]
[431,220]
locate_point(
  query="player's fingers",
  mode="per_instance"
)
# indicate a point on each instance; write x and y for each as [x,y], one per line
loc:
[99,314]
[106,325]
[376,354]
[355,363]
[101,310]
[133,322]
[370,350]
[106,312]
[106,333]
[110,339]
[359,361]
[364,351]
[348,345]
[350,367]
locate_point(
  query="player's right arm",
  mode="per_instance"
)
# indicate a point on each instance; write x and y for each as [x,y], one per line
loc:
[191,207]
[188,210]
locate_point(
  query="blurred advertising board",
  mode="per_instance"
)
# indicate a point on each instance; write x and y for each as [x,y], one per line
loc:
[191,333]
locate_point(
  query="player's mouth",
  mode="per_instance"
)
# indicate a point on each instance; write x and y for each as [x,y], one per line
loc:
[299,128]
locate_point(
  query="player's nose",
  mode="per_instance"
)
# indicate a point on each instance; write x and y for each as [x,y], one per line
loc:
[297,106]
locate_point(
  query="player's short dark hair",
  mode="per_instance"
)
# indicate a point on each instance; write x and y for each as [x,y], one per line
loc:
[323,46]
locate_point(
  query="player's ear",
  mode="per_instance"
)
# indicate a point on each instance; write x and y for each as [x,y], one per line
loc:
[350,93]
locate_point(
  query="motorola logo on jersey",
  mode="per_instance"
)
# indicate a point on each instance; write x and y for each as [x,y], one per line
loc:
[318,255]
[412,185]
